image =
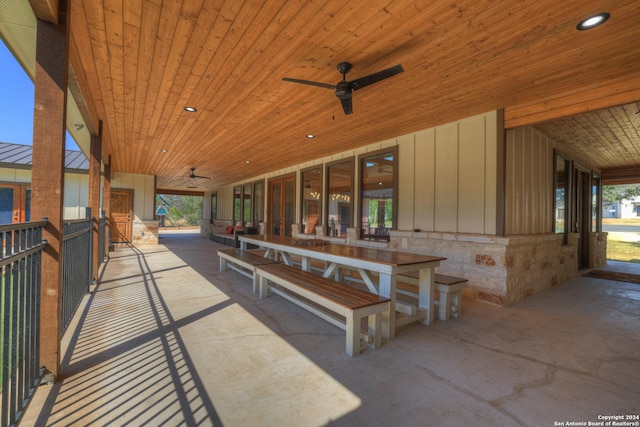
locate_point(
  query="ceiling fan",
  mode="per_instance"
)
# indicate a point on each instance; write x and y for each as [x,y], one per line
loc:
[193,175]
[344,88]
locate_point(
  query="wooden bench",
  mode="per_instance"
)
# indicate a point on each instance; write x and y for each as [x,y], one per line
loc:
[244,262]
[314,292]
[449,287]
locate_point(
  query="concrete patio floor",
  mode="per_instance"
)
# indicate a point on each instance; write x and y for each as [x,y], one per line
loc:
[167,339]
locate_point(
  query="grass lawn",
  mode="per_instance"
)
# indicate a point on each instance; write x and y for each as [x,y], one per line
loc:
[623,251]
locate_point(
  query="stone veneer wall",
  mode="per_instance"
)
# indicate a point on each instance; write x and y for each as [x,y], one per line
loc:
[501,270]
[206,227]
[598,256]
[145,233]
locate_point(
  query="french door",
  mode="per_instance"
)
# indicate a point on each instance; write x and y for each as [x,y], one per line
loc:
[282,206]
[15,203]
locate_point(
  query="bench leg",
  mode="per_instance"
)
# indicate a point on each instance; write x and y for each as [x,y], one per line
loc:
[444,312]
[353,335]
[375,329]
[223,264]
[264,287]
[456,302]
[256,283]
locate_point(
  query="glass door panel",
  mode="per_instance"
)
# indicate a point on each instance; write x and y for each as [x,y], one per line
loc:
[275,214]
[289,205]
[6,205]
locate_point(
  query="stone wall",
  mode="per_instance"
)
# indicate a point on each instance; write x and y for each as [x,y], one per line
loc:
[598,255]
[145,233]
[500,270]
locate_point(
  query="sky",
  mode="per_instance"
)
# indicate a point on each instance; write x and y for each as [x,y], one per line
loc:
[16,102]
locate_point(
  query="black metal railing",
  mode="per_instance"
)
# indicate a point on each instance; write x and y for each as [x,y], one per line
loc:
[77,271]
[102,236]
[22,247]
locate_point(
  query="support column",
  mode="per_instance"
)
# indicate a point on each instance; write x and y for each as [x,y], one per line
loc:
[106,202]
[47,185]
[95,162]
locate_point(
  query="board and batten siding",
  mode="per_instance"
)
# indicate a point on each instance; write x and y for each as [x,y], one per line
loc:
[76,189]
[76,195]
[225,203]
[529,182]
[447,177]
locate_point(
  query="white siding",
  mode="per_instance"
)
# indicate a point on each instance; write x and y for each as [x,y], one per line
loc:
[529,182]
[446,182]
[76,189]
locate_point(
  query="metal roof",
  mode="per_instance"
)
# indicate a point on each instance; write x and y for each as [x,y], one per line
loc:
[21,155]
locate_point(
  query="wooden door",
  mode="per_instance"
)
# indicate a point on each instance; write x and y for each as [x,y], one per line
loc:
[121,215]
[15,203]
[281,215]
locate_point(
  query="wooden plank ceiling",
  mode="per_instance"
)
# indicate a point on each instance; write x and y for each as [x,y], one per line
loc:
[139,62]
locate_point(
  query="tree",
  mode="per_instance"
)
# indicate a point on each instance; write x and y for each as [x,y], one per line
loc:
[618,193]
[186,210]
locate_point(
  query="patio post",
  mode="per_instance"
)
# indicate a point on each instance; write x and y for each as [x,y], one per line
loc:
[47,185]
[106,202]
[95,163]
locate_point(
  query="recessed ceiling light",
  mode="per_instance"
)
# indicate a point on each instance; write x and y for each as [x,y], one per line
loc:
[593,21]
[163,150]
[310,135]
[190,109]
[247,161]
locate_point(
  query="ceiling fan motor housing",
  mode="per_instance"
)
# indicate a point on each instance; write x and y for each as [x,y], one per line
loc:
[343,90]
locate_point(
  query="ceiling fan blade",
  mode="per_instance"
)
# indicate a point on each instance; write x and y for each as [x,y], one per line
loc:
[347,105]
[376,77]
[309,82]
[193,175]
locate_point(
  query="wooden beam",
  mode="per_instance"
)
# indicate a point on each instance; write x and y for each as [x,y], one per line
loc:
[95,163]
[47,185]
[179,192]
[595,97]
[620,176]
[106,203]
[46,10]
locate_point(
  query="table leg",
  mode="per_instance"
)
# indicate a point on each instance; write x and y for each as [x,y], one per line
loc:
[305,263]
[387,288]
[426,293]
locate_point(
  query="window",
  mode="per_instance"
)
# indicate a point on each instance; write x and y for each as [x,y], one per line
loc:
[237,205]
[561,178]
[595,203]
[258,203]
[378,206]
[311,199]
[214,206]
[339,198]
[247,203]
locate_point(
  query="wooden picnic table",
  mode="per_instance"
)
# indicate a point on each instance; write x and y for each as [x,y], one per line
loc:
[378,269]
